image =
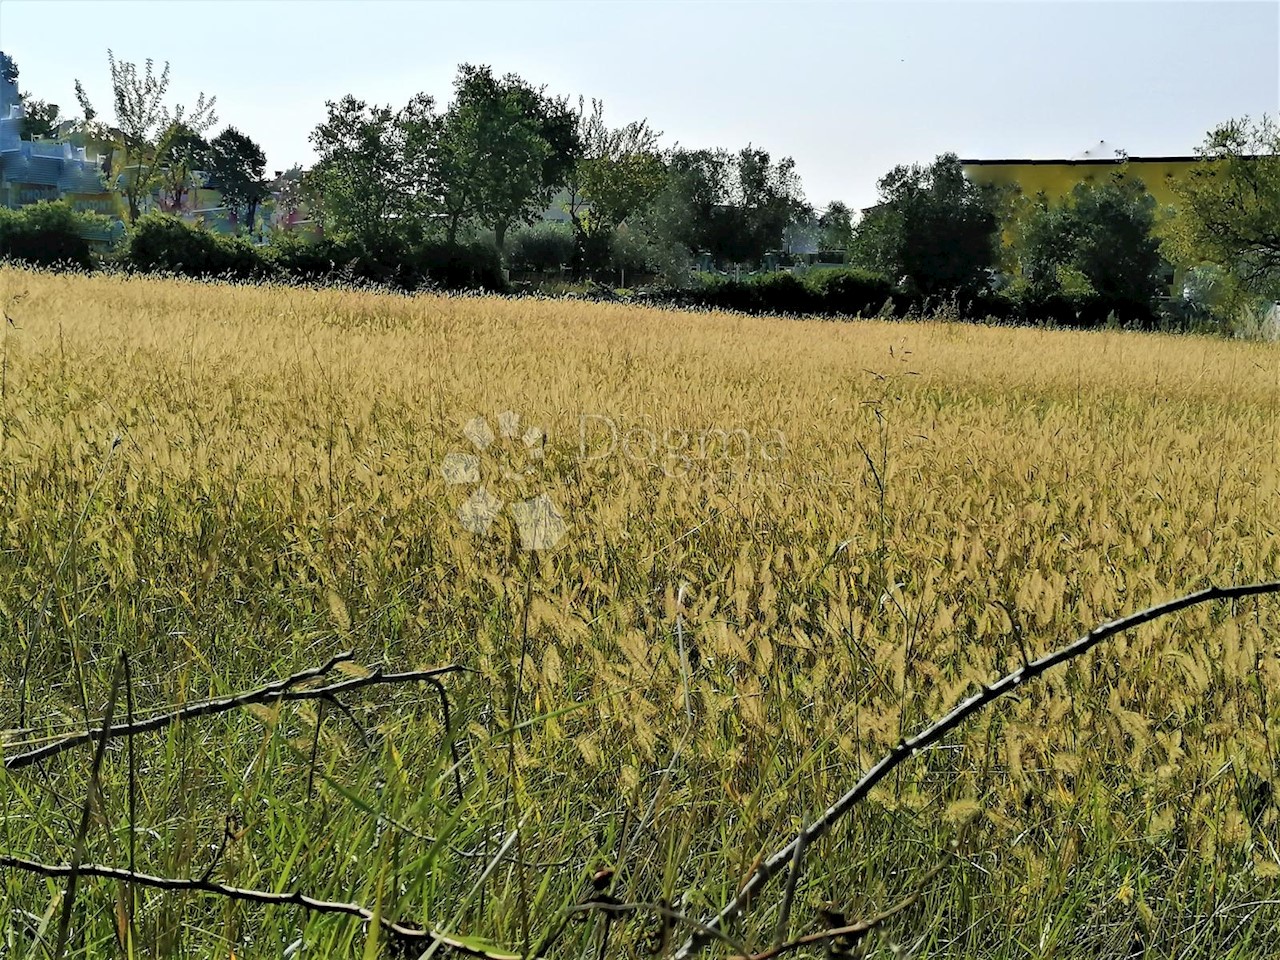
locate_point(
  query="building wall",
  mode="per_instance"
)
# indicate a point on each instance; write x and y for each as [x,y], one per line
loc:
[1056,179]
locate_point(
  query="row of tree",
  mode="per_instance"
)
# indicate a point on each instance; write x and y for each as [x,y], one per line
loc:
[503,149]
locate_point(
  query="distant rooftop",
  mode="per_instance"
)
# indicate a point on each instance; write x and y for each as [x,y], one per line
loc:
[1092,161]
[1101,152]
[1114,161]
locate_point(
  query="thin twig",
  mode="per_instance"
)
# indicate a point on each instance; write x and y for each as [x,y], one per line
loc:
[774,864]
[200,707]
[228,831]
[265,897]
[447,719]
[712,933]
[859,929]
[343,709]
[315,747]
[279,690]
[133,792]
[86,813]
[789,892]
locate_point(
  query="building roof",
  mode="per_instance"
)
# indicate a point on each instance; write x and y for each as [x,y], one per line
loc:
[1080,161]
[1097,161]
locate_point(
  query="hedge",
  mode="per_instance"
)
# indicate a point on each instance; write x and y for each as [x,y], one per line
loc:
[852,293]
[48,234]
[164,243]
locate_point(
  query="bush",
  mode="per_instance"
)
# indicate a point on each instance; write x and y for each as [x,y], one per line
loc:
[826,292]
[161,243]
[462,266]
[293,257]
[852,292]
[47,235]
[1083,309]
[634,256]
[782,292]
[542,248]
[391,262]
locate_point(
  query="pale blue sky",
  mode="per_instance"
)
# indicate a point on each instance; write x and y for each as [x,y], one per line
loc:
[848,89]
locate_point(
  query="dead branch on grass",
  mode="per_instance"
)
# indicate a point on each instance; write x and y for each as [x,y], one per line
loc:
[402,932]
[280,690]
[774,864]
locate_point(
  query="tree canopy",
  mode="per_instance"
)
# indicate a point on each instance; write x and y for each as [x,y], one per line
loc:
[377,171]
[8,68]
[618,175]
[1102,234]
[505,147]
[932,228]
[147,130]
[1228,210]
[237,165]
[733,206]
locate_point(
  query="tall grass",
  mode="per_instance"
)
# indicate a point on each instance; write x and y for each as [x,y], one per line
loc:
[229,484]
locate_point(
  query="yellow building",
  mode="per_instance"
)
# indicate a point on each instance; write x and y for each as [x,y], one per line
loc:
[1056,178]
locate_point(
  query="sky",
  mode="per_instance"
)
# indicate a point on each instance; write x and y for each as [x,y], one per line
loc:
[848,89]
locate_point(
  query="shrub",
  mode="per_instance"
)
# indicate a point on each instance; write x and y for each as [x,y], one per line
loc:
[461,266]
[161,243]
[391,262]
[1082,308]
[47,235]
[830,292]
[291,256]
[782,292]
[853,292]
[634,255]
[542,248]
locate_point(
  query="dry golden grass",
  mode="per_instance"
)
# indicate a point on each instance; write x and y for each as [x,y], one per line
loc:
[934,502]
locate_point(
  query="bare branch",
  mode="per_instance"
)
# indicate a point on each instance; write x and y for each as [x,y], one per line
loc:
[774,864]
[852,930]
[278,690]
[266,897]
[86,812]
[610,907]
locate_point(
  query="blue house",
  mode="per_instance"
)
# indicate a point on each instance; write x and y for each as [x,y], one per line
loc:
[31,171]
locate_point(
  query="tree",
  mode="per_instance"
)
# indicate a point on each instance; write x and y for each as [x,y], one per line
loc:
[1043,244]
[146,128]
[8,68]
[619,173]
[505,148]
[1097,247]
[932,228]
[86,108]
[187,152]
[291,190]
[40,119]
[237,165]
[377,172]
[1228,210]
[767,198]
[734,206]
[835,227]
[1102,233]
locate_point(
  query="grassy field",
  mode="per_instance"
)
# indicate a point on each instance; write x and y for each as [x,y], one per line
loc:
[785,545]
